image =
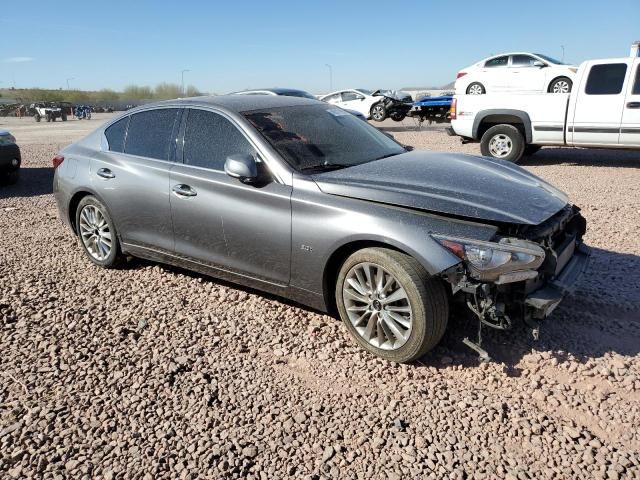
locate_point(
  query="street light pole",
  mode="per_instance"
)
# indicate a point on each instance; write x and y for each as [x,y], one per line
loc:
[68,79]
[330,76]
[562,47]
[182,73]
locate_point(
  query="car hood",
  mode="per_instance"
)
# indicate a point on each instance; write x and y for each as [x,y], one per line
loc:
[454,184]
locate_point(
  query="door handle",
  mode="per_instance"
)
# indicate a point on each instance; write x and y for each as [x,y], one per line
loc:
[105,173]
[182,190]
[633,105]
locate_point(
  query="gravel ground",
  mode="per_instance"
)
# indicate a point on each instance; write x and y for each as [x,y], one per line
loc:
[154,372]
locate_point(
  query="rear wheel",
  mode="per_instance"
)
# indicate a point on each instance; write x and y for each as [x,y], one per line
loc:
[97,233]
[504,142]
[476,88]
[398,116]
[390,305]
[378,112]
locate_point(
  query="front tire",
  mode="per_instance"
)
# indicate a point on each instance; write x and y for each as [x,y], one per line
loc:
[476,88]
[398,116]
[504,142]
[561,85]
[378,112]
[390,305]
[97,233]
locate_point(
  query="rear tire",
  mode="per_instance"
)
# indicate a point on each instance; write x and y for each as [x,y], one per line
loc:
[504,142]
[476,88]
[398,116]
[422,308]
[97,233]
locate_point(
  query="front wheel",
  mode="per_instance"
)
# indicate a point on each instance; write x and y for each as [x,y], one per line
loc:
[378,112]
[504,142]
[561,85]
[398,116]
[390,305]
[97,233]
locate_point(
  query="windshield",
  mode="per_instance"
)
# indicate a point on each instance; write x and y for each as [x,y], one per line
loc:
[364,90]
[320,137]
[550,60]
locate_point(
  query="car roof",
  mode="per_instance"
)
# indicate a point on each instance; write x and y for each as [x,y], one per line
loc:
[4,131]
[237,103]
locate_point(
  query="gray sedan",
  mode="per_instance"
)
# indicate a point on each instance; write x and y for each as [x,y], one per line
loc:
[301,199]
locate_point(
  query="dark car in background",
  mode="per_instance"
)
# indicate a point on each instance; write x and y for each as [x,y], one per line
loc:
[301,199]
[10,158]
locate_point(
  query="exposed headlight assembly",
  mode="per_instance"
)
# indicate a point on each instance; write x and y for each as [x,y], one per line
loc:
[509,260]
[7,139]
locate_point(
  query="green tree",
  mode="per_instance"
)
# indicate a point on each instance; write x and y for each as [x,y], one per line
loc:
[136,92]
[166,91]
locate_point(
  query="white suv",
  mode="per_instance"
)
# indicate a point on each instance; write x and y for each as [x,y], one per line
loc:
[516,72]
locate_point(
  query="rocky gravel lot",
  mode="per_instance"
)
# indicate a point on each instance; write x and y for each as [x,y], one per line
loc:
[154,372]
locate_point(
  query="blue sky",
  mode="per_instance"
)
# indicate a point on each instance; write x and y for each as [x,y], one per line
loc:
[235,45]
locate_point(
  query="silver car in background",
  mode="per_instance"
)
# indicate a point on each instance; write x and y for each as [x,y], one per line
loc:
[301,199]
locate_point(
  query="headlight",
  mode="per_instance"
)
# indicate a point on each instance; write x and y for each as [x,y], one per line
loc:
[510,260]
[7,139]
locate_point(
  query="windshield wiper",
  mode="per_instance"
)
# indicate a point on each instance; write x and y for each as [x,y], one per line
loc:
[324,167]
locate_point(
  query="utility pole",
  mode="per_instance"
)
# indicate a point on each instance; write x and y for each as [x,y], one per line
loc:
[183,72]
[562,47]
[330,77]
[68,80]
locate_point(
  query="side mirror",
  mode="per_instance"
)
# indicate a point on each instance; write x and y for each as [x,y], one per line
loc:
[241,166]
[539,64]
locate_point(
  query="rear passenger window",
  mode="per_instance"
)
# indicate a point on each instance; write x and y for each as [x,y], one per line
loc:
[606,79]
[210,138]
[149,133]
[497,62]
[115,135]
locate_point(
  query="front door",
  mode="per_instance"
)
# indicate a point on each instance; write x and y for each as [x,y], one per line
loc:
[525,76]
[131,176]
[220,221]
[630,128]
[599,104]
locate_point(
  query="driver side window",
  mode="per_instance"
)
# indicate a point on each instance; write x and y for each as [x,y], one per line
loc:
[209,139]
[350,96]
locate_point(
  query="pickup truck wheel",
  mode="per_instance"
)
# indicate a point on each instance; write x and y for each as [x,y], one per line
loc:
[476,88]
[561,85]
[390,305]
[378,112]
[504,142]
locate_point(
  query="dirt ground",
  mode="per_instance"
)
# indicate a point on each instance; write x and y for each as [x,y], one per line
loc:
[155,372]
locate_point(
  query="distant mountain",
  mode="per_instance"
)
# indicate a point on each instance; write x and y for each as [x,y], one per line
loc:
[448,86]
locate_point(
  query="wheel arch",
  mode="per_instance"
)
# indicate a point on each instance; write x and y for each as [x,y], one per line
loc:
[558,77]
[489,118]
[75,200]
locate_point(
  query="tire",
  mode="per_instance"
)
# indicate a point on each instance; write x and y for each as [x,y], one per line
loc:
[88,116]
[531,149]
[425,297]
[64,117]
[378,112]
[93,249]
[53,119]
[47,117]
[37,117]
[398,116]
[476,88]
[561,85]
[504,142]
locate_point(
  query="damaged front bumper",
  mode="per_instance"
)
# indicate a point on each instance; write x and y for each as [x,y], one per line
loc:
[543,301]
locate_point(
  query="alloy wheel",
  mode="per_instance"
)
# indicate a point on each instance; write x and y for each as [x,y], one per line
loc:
[561,87]
[475,89]
[377,306]
[95,232]
[500,145]
[378,113]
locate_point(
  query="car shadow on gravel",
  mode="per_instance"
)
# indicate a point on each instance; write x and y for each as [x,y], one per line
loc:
[585,157]
[413,128]
[601,317]
[33,182]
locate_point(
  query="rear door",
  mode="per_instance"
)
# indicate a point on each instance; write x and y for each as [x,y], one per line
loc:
[220,221]
[132,176]
[599,103]
[630,128]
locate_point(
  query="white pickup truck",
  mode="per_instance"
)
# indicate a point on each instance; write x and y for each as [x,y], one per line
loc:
[602,111]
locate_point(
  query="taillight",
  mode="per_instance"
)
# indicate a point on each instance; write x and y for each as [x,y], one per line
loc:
[57,161]
[452,110]
[461,74]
